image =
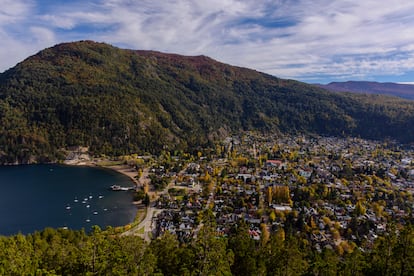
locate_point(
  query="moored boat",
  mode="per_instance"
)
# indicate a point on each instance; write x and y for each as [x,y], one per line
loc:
[116,188]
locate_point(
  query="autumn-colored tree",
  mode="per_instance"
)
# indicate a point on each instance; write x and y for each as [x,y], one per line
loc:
[269,195]
[265,236]
[281,194]
[377,208]
[359,209]
[272,216]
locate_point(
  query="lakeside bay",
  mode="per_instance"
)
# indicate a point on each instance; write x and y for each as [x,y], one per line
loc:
[37,196]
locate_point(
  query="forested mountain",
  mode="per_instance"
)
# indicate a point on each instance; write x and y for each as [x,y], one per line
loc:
[405,91]
[117,101]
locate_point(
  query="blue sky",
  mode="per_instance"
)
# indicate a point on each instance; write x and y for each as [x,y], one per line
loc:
[307,40]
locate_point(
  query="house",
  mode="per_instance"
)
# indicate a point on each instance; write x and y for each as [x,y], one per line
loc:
[411,174]
[305,173]
[255,234]
[185,227]
[247,178]
[273,163]
[281,208]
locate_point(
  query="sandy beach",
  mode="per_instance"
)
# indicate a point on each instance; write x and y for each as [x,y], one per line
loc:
[126,170]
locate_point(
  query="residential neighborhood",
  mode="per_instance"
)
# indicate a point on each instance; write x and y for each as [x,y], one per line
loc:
[336,193]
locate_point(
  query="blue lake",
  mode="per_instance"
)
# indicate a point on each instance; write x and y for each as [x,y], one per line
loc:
[33,197]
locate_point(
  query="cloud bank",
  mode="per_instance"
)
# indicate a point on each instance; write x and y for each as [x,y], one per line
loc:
[313,41]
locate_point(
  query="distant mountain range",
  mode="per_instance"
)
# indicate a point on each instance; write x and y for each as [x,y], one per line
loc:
[405,91]
[118,101]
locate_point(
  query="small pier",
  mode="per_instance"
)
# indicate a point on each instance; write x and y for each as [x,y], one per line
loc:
[120,188]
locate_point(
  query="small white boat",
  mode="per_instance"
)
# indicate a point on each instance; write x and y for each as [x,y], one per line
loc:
[95,213]
[67,207]
[116,188]
[87,206]
[88,220]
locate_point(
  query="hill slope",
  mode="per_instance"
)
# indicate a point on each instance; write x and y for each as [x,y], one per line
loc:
[117,101]
[405,91]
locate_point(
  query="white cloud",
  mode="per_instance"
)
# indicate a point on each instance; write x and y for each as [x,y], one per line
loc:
[59,21]
[15,36]
[11,51]
[14,10]
[42,36]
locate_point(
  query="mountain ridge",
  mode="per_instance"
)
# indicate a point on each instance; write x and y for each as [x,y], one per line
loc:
[118,101]
[405,91]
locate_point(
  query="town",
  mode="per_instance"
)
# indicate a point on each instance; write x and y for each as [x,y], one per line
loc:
[336,193]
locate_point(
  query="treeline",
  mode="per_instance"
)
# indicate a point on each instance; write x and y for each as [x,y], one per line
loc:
[121,101]
[66,252]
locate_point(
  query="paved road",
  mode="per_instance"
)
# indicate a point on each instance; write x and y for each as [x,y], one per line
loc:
[146,223]
[152,212]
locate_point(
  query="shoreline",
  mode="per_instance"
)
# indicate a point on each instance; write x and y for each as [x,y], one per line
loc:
[125,170]
[119,168]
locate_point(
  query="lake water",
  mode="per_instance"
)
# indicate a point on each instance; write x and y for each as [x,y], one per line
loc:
[33,197]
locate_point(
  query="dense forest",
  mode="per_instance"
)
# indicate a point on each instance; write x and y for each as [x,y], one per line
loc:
[67,252]
[118,101]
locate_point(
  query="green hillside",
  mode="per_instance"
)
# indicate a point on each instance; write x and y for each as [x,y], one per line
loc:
[117,101]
